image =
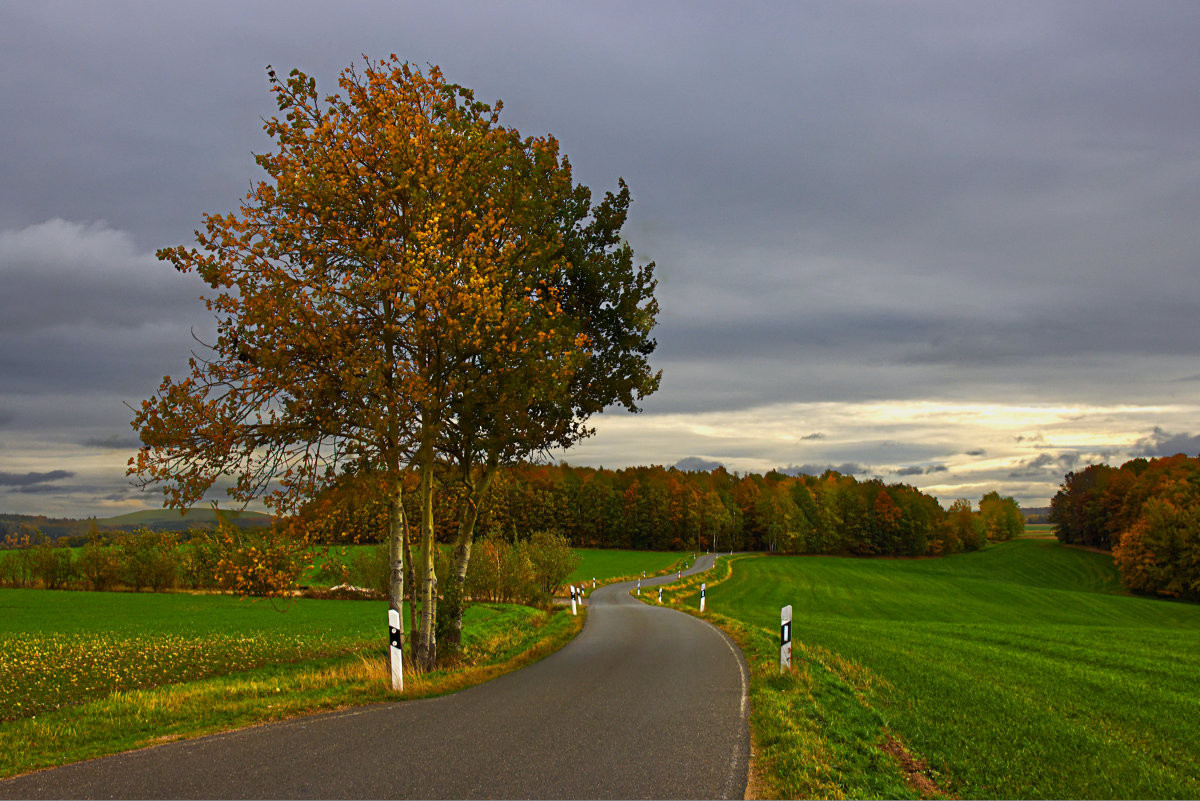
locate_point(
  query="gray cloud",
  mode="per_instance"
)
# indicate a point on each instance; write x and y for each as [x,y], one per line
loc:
[1162,443]
[696,463]
[68,274]
[976,452]
[27,481]
[114,442]
[847,468]
[1044,463]
[918,470]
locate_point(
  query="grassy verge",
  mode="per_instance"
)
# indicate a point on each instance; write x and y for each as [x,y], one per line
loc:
[814,729]
[1018,671]
[497,639]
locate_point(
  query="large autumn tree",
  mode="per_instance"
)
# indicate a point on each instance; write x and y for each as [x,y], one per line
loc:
[414,285]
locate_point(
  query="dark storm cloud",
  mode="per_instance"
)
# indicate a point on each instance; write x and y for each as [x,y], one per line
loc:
[1162,443]
[26,482]
[63,274]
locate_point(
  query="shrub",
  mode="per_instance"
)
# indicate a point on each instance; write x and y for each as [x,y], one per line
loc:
[370,568]
[264,562]
[149,559]
[15,568]
[552,561]
[16,565]
[198,560]
[99,566]
[527,572]
[54,567]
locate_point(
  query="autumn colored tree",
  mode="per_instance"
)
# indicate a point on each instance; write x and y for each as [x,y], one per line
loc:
[1001,517]
[392,296]
[1160,552]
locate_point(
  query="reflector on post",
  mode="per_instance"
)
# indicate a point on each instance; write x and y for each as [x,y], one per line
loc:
[395,649]
[785,638]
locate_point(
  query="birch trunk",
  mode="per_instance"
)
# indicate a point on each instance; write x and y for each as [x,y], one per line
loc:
[427,578]
[396,548]
[462,556]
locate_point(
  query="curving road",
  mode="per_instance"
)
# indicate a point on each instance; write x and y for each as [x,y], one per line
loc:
[646,702]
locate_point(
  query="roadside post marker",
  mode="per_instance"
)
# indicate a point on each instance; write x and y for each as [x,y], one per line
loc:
[593,583]
[660,595]
[573,612]
[785,638]
[394,649]
[702,588]
[639,586]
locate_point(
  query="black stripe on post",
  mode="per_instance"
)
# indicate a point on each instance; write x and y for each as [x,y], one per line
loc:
[785,633]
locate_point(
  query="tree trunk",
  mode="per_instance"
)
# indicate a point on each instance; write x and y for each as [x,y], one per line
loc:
[427,579]
[414,621]
[452,639]
[396,548]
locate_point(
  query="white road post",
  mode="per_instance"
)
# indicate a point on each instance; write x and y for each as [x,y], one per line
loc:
[785,638]
[639,586]
[396,653]
[660,595]
[702,588]
[573,612]
[593,582]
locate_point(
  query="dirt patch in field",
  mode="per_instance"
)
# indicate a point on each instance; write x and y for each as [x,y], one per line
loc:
[913,768]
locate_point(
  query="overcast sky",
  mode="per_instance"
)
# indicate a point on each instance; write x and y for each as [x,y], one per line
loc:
[950,244]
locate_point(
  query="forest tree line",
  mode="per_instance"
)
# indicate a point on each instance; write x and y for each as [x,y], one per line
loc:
[657,508]
[1147,512]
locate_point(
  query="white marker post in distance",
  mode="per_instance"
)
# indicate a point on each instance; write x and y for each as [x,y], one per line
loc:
[396,653]
[573,612]
[702,587]
[785,638]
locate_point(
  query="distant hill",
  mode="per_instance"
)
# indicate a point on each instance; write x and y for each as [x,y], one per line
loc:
[174,520]
[156,519]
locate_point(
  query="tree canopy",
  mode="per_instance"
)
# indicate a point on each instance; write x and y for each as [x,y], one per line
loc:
[413,285]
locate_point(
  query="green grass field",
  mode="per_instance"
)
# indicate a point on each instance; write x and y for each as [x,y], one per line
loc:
[604,564]
[85,674]
[61,648]
[1018,671]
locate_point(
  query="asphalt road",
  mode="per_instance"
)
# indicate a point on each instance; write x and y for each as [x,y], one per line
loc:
[646,702]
